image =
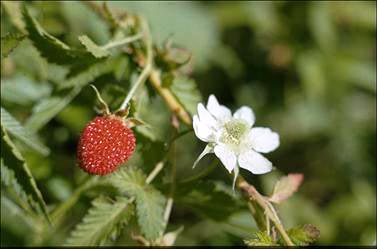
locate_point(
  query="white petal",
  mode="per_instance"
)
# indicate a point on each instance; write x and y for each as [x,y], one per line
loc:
[254,162]
[205,117]
[246,114]
[202,131]
[227,157]
[220,112]
[213,105]
[263,139]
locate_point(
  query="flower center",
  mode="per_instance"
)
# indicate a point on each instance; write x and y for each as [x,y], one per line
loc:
[233,132]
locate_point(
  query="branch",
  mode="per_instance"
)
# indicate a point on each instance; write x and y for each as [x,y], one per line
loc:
[253,194]
[148,66]
[169,98]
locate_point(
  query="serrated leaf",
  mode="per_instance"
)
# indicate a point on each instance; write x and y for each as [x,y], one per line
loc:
[150,203]
[50,47]
[16,220]
[9,181]
[303,236]
[13,158]
[146,107]
[100,222]
[13,9]
[285,187]
[10,42]
[262,239]
[21,133]
[89,74]
[93,48]
[22,90]
[46,109]
[187,93]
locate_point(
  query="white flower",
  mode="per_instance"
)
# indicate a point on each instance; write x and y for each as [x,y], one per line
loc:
[232,138]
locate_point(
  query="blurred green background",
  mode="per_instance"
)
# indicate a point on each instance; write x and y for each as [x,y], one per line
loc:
[308,70]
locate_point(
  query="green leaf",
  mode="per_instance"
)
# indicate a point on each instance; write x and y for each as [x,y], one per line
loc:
[21,133]
[10,42]
[304,235]
[93,48]
[262,239]
[50,47]
[89,74]
[146,108]
[46,109]
[9,181]
[208,199]
[150,203]
[99,223]
[187,93]
[13,9]
[22,90]
[16,220]
[13,158]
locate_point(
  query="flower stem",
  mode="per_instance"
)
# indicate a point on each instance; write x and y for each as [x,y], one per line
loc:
[253,194]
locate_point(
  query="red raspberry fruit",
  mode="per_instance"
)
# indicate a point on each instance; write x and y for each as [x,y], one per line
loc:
[105,143]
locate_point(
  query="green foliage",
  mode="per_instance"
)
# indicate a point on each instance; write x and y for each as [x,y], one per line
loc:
[262,239]
[12,156]
[54,50]
[88,75]
[304,235]
[150,203]
[307,70]
[207,199]
[48,108]
[13,9]
[24,91]
[9,42]
[187,93]
[93,48]
[102,221]
[24,135]
[9,181]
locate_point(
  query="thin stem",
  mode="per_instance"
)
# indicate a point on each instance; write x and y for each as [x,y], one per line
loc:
[121,42]
[268,225]
[148,66]
[168,208]
[159,166]
[255,195]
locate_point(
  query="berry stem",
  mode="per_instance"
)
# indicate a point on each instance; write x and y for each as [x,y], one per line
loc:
[148,66]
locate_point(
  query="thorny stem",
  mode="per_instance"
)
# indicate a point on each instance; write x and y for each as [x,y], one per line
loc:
[253,194]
